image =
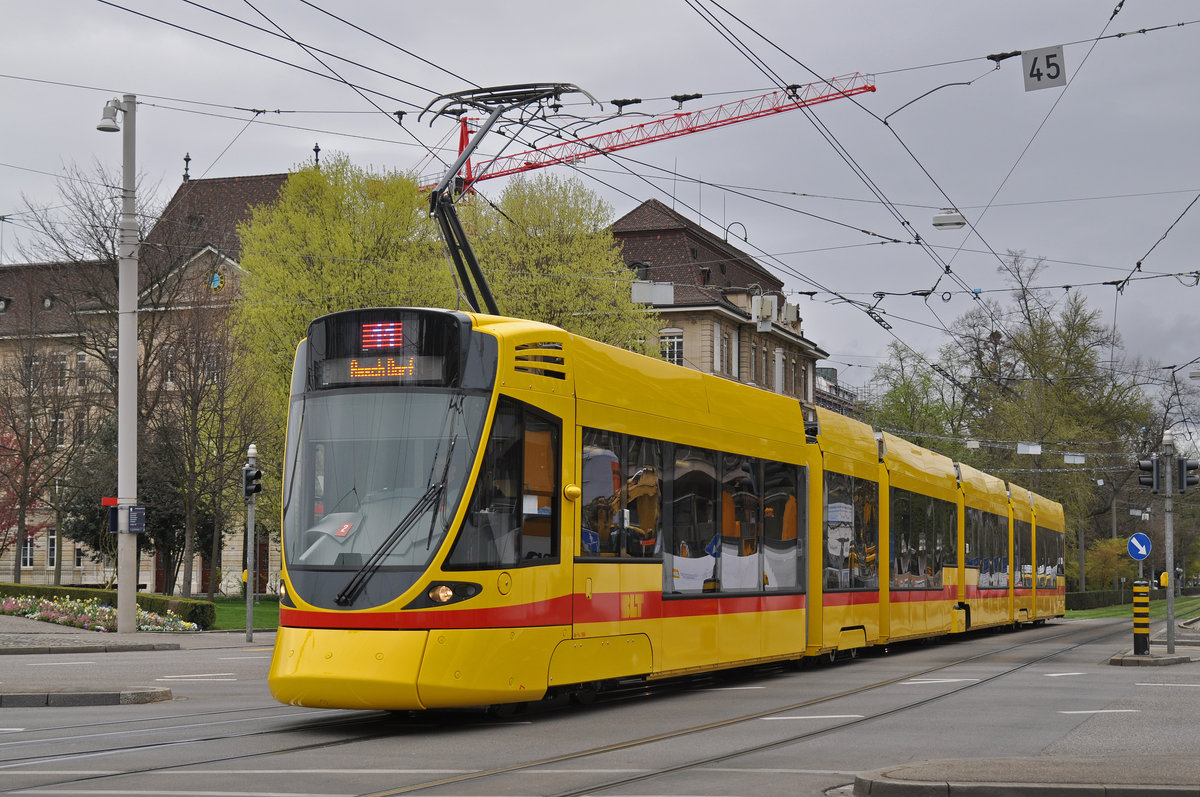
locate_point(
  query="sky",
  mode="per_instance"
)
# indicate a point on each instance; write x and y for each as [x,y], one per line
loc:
[1093,176]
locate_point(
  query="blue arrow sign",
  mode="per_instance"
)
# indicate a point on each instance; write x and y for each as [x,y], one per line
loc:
[1139,546]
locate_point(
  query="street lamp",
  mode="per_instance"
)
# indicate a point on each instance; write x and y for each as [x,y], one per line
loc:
[949,219]
[127,566]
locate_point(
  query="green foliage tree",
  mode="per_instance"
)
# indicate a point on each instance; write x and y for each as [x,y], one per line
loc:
[548,251]
[341,237]
[1041,369]
[1108,560]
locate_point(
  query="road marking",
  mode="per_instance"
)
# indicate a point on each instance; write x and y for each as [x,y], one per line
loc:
[1061,674]
[1164,684]
[177,793]
[203,676]
[913,681]
[60,664]
[1105,711]
[11,730]
[819,717]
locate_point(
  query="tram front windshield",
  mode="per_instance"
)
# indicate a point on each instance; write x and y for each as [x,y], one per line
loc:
[373,477]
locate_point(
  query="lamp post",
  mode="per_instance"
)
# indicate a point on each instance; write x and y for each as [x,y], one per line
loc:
[949,219]
[127,566]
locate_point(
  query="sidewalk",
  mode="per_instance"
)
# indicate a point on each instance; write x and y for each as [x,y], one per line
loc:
[22,636]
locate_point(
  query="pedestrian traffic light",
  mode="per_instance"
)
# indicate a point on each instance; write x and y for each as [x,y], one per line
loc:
[1187,478]
[250,483]
[1151,466]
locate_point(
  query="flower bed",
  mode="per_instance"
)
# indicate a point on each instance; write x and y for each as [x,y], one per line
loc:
[90,615]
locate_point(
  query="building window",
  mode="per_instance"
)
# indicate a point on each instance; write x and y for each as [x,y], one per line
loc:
[51,547]
[78,556]
[58,370]
[58,430]
[81,371]
[27,552]
[169,365]
[726,353]
[670,345]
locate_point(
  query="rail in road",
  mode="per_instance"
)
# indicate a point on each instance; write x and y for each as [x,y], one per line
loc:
[261,748]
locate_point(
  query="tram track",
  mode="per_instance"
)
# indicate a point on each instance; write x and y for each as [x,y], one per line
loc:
[731,722]
[354,721]
[366,727]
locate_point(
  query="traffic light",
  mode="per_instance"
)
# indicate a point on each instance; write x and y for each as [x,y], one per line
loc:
[1184,468]
[250,483]
[1150,465]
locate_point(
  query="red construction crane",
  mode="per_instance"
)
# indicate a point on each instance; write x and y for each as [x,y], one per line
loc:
[679,124]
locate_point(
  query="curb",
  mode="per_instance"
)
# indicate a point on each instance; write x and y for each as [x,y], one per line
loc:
[1147,660]
[126,697]
[876,784]
[118,647]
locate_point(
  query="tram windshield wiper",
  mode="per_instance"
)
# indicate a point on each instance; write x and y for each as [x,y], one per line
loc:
[359,581]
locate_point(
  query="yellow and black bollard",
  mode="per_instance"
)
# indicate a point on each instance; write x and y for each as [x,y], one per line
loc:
[1141,618]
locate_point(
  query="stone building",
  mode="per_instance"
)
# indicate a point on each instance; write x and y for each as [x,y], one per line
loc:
[58,367]
[725,313]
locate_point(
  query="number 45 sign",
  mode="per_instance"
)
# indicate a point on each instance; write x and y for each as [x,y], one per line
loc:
[1044,68]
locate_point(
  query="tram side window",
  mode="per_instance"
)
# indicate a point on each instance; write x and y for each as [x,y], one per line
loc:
[512,518]
[922,539]
[945,541]
[1023,558]
[783,520]
[741,506]
[1048,560]
[695,543]
[972,527]
[851,532]
[622,495]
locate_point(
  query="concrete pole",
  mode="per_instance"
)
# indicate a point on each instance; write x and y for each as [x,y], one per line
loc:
[127,364]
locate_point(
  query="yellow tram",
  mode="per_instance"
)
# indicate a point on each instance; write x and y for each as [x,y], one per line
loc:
[481,510]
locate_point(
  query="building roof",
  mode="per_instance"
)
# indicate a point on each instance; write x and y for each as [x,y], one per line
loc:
[652,216]
[202,215]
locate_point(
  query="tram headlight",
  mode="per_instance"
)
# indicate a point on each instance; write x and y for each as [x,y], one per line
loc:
[442,593]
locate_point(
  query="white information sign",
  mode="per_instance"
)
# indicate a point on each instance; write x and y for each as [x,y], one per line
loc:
[1044,68]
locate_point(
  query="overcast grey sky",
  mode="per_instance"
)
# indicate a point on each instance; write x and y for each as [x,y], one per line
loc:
[1090,176]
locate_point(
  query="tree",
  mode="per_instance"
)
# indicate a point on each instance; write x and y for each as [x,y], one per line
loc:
[41,418]
[1042,369]
[548,251]
[1109,560]
[203,427]
[340,238]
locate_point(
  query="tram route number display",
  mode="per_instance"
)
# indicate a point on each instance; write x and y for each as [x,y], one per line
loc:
[1044,68]
[381,370]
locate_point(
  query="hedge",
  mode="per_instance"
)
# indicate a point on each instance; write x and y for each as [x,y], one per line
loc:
[202,613]
[1101,598]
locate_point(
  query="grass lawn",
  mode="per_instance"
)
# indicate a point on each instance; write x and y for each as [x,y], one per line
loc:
[1185,608]
[231,613]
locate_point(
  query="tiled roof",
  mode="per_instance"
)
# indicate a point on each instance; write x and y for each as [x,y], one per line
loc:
[202,213]
[653,216]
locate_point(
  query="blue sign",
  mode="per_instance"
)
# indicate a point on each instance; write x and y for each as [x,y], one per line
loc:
[1139,546]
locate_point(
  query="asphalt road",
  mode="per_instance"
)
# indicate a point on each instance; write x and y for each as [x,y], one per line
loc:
[1046,696]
